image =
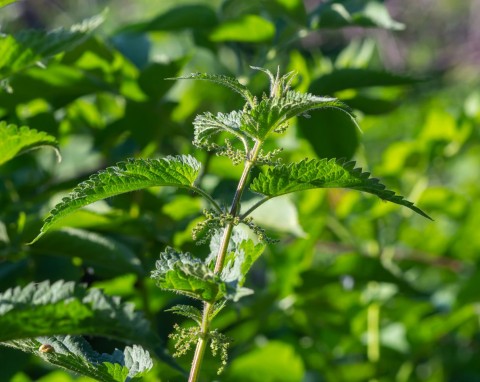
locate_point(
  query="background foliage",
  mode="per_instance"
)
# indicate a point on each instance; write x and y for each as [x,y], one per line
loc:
[356,289]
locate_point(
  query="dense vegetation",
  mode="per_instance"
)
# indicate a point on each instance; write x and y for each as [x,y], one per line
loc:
[355,289]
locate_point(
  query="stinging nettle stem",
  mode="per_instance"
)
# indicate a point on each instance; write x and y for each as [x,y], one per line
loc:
[222,251]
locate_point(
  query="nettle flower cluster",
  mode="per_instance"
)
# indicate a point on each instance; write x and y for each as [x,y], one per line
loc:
[240,136]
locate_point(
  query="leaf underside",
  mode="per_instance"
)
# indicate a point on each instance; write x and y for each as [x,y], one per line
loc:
[44,309]
[75,354]
[132,175]
[181,273]
[324,173]
[15,141]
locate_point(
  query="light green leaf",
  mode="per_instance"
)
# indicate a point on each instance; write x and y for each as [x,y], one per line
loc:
[241,254]
[44,309]
[31,46]
[184,274]
[247,28]
[90,246]
[240,257]
[132,175]
[274,362]
[75,354]
[15,141]
[348,13]
[207,125]
[323,173]
[187,311]
[230,82]
[4,3]
[272,113]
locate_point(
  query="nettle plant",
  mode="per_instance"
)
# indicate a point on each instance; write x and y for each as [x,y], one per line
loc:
[241,136]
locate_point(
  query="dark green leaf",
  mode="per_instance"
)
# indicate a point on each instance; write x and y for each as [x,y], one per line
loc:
[195,16]
[331,133]
[76,354]
[371,105]
[41,309]
[354,78]
[94,248]
[323,173]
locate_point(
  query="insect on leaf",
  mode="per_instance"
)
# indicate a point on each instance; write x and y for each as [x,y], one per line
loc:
[75,353]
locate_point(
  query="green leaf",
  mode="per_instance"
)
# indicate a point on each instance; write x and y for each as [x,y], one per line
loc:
[181,273]
[4,3]
[15,141]
[187,311]
[208,125]
[241,254]
[272,113]
[354,78]
[44,309]
[195,16]
[31,46]
[348,13]
[240,257]
[229,82]
[273,362]
[96,249]
[132,175]
[75,354]
[332,134]
[323,173]
[64,307]
[246,28]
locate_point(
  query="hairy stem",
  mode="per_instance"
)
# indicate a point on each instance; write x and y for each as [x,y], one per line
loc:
[222,251]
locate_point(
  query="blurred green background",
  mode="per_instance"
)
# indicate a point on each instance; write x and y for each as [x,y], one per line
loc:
[356,289]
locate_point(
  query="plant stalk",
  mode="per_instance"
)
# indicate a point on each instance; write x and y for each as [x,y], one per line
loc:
[222,251]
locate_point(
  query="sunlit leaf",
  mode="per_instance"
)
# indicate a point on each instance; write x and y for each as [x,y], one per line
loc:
[31,46]
[247,28]
[348,13]
[272,113]
[275,361]
[324,173]
[4,3]
[134,174]
[230,82]
[16,141]
[75,354]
